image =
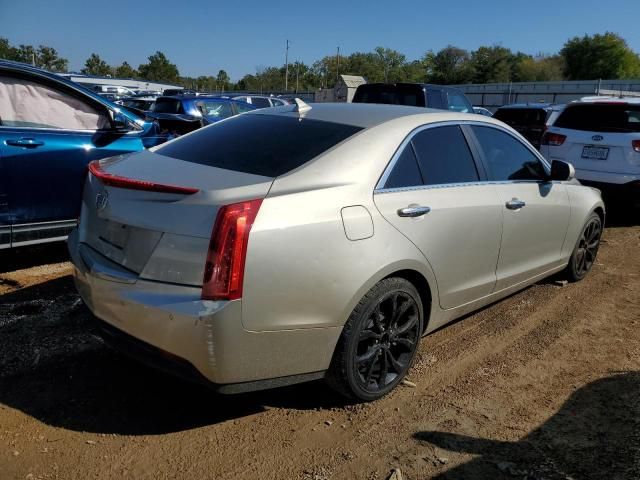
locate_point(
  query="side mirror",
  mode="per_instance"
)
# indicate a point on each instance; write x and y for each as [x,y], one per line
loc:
[562,171]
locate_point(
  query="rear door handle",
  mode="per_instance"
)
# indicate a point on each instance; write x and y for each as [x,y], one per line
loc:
[25,142]
[417,211]
[515,204]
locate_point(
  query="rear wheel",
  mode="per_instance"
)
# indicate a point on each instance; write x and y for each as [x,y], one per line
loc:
[379,341]
[586,250]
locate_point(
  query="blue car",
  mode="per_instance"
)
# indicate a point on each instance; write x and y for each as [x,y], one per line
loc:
[180,114]
[50,129]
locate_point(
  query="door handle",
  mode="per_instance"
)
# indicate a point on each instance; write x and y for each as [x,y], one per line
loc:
[25,142]
[515,204]
[417,211]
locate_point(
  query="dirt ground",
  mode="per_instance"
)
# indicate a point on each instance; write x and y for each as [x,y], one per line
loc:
[543,385]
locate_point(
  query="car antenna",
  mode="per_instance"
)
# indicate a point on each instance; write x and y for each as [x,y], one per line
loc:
[301,106]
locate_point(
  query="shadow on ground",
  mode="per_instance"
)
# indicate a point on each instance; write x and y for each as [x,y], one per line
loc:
[595,435]
[53,369]
[27,257]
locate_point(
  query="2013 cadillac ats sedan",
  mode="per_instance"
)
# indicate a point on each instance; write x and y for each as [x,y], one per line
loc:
[299,243]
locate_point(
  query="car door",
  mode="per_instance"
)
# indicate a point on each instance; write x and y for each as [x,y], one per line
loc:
[432,193]
[535,211]
[48,135]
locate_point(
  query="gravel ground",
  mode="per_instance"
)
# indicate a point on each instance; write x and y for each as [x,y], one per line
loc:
[543,385]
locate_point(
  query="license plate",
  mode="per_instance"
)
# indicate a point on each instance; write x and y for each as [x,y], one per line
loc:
[595,153]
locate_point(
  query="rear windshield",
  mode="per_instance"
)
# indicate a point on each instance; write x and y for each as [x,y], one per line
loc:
[411,95]
[601,117]
[267,145]
[168,105]
[521,116]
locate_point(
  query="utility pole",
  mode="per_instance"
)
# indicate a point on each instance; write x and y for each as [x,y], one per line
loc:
[286,68]
[337,65]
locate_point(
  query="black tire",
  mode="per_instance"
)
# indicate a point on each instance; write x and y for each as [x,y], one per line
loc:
[379,342]
[586,249]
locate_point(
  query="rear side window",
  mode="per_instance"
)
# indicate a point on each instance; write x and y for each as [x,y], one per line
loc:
[507,158]
[405,172]
[168,105]
[601,117]
[214,108]
[412,95]
[267,145]
[260,102]
[434,99]
[444,156]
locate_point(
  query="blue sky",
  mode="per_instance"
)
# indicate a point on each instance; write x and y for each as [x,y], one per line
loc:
[202,37]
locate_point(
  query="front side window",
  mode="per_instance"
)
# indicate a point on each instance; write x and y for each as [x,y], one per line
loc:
[243,107]
[27,104]
[458,103]
[444,156]
[507,158]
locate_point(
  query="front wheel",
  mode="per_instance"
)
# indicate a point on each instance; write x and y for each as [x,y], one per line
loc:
[379,341]
[586,250]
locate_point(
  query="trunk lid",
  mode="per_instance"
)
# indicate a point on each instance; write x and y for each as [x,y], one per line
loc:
[158,235]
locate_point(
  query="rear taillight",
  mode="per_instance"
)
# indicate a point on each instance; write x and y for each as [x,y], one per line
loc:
[224,270]
[112,180]
[636,145]
[554,139]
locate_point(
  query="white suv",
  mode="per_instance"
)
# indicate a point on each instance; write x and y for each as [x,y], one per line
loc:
[600,136]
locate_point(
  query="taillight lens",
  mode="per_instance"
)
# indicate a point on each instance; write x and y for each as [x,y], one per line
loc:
[553,139]
[636,145]
[112,180]
[224,270]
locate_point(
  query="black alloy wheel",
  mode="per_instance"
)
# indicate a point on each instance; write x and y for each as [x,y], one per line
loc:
[379,341]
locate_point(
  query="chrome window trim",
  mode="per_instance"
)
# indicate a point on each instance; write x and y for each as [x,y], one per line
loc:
[379,188]
[458,185]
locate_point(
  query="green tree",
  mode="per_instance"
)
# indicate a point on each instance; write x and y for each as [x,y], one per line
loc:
[6,50]
[159,68]
[539,69]
[26,54]
[96,66]
[222,80]
[451,65]
[49,59]
[599,56]
[391,62]
[125,71]
[492,64]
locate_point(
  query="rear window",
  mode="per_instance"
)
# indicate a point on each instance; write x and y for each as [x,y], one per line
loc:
[601,117]
[521,116]
[168,105]
[267,145]
[412,95]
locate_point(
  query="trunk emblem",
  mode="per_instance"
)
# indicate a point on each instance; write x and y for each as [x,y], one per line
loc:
[597,138]
[102,200]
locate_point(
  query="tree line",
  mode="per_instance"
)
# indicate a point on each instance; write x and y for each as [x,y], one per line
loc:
[598,56]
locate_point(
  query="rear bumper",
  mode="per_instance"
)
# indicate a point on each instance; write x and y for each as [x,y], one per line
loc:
[202,340]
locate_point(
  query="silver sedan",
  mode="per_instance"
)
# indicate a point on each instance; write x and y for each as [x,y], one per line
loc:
[299,243]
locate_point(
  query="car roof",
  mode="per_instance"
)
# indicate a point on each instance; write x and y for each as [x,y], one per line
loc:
[366,115]
[610,100]
[543,106]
